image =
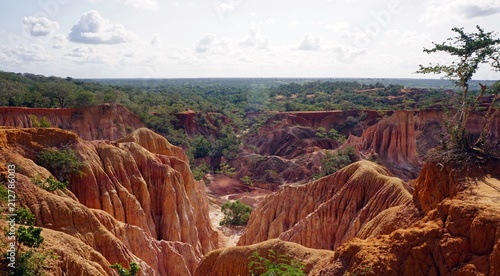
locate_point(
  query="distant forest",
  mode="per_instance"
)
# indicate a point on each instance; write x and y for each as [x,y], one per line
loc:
[156,100]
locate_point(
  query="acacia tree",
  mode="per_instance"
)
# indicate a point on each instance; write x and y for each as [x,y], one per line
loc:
[469,50]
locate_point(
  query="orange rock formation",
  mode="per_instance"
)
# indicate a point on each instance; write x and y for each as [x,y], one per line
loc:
[135,201]
[106,121]
[329,211]
[457,232]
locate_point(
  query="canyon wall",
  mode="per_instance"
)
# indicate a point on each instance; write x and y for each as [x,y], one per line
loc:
[330,211]
[135,200]
[459,235]
[105,121]
[455,230]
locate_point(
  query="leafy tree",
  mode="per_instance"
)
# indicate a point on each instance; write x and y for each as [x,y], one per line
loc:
[50,184]
[24,216]
[335,135]
[469,51]
[200,171]
[4,192]
[321,132]
[36,122]
[30,236]
[32,263]
[226,169]
[235,213]
[274,265]
[84,98]
[247,180]
[60,92]
[61,163]
[201,147]
[134,268]
[333,162]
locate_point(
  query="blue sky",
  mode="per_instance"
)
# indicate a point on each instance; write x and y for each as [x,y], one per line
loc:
[232,38]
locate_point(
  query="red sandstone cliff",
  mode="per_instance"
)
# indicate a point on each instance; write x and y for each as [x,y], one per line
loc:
[458,233]
[393,139]
[136,201]
[106,121]
[330,211]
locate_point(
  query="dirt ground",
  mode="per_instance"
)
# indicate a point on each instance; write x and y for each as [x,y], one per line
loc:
[222,189]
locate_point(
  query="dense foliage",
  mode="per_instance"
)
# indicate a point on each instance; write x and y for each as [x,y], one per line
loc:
[335,161]
[235,213]
[61,163]
[134,269]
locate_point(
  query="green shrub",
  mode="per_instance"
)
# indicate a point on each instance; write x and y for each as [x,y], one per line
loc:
[333,162]
[4,192]
[29,262]
[36,122]
[30,236]
[247,180]
[50,184]
[134,268]
[201,147]
[321,132]
[61,163]
[200,171]
[275,264]
[226,169]
[32,263]
[235,213]
[24,216]
[335,135]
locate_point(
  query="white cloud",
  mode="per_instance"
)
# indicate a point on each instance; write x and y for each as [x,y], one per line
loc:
[410,38]
[27,53]
[59,41]
[39,26]
[143,4]
[347,54]
[156,40]
[92,28]
[210,43]
[438,11]
[339,27]
[254,40]
[294,24]
[86,54]
[310,43]
[224,6]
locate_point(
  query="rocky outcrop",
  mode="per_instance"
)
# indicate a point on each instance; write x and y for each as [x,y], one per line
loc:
[393,139]
[135,200]
[105,121]
[234,260]
[330,211]
[328,119]
[458,236]
[289,141]
[459,233]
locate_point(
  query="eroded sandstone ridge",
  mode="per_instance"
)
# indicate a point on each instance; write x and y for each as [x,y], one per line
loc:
[105,121]
[454,229]
[330,211]
[135,201]
[460,234]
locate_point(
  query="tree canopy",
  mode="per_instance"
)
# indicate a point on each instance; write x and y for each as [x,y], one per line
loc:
[469,51]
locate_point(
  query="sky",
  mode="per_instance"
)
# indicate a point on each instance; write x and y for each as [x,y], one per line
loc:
[233,38]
